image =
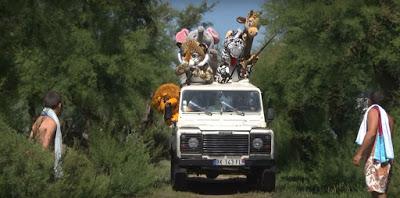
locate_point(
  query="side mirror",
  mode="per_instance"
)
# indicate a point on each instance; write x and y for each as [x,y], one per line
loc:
[270,114]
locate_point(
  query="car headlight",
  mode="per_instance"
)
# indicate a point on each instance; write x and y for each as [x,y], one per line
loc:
[260,143]
[257,143]
[193,142]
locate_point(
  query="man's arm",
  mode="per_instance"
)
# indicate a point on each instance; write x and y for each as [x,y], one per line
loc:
[369,137]
[48,129]
[31,134]
[34,128]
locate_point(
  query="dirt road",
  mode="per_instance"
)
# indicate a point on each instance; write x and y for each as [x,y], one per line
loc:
[236,186]
[221,187]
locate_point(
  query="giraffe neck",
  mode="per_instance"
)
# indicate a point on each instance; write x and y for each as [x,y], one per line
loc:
[248,44]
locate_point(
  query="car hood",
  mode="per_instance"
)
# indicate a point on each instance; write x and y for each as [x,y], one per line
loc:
[222,122]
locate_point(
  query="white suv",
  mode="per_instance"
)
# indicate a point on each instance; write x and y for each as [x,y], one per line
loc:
[222,130]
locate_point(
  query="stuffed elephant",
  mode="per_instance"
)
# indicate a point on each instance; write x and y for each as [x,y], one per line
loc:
[210,38]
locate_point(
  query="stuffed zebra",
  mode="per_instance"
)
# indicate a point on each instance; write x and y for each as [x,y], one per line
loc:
[231,55]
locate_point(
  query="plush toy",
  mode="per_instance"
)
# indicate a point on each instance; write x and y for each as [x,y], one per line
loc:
[210,38]
[180,38]
[231,56]
[194,67]
[166,100]
[251,26]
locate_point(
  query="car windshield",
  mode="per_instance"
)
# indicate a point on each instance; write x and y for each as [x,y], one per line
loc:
[211,101]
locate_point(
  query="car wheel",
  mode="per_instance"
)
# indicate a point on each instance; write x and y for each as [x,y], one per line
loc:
[178,176]
[267,181]
[251,179]
[212,175]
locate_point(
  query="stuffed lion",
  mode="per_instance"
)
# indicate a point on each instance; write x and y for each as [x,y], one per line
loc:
[166,100]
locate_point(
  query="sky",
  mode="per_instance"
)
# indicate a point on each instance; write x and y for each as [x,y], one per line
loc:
[223,15]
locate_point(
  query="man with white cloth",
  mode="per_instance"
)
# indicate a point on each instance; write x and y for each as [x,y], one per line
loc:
[376,148]
[46,129]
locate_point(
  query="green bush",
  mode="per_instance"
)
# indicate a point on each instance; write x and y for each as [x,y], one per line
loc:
[127,162]
[157,140]
[80,179]
[25,168]
[314,161]
[112,168]
[395,179]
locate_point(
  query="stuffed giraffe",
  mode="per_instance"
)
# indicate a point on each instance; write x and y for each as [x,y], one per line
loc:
[251,26]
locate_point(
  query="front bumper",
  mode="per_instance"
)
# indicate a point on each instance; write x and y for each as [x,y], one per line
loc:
[192,163]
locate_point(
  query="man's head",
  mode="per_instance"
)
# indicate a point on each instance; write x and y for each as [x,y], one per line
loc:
[375,97]
[53,100]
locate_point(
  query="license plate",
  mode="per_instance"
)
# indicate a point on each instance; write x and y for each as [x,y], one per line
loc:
[228,162]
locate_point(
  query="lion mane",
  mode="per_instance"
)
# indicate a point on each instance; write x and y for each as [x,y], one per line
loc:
[169,90]
[167,95]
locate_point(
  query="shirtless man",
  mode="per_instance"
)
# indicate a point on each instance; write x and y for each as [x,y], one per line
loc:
[377,175]
[44,128]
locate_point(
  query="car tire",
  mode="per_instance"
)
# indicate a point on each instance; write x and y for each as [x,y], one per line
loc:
[267,181]
[251,179]
[212,175]
[178,176]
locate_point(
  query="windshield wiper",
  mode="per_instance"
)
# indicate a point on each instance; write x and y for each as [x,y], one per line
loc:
[191,103]
[232,108]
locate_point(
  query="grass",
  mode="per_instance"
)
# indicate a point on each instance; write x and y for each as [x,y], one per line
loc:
[287,186]
[167,192]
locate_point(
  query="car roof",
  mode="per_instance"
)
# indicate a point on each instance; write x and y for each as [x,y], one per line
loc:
[241,85]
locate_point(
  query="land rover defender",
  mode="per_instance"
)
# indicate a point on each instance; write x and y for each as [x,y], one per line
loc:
[222,130]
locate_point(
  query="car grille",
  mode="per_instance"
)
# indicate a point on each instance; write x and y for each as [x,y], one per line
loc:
[221,145]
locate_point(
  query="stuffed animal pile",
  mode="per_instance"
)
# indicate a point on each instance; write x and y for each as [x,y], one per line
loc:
[199,62]
[198,56]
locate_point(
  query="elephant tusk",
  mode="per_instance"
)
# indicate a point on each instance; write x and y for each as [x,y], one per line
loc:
[206,59]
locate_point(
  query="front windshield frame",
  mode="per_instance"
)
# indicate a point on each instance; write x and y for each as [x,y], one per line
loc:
[239,101]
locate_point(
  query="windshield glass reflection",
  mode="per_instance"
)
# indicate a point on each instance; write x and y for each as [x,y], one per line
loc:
[211,101]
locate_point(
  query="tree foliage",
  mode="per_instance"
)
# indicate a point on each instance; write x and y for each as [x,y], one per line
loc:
[105,58]
[111,169]
[192,15]
[326,55]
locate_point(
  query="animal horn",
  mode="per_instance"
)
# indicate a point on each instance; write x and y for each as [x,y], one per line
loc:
[180,58]
[251,13]
[206,59]
[238,33]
